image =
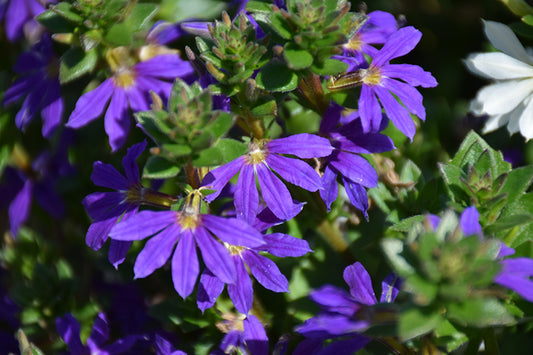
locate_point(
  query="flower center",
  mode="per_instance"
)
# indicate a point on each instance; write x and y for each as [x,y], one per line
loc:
[256,152]
[355,44]
[234,249]
[189,217]
[124,78]
[371,76]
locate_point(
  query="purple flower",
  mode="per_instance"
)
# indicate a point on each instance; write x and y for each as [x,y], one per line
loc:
[187,229]
[164,347]
[129,87]
[264,155]
[349,140]
[380,81]
[19,16]
[69,329]
[247,335]
[343,313]
[35,180]
[39,85]
[263,269]
[377,29]
[107,208]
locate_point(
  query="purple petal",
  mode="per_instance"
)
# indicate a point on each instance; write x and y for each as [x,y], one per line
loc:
[100,332]
[209,289]
[129,164]
[412,74]
[275,193]
[266,219]
[330,189]
[265,271]
[69,329]
[216,257]
[156,251]
[118,250]
[334,299]
[255,336]
[308,346]
[360,284]
[233,231]
[143,224]
[19,209]
[91,105]
[355,168]
[357,195]
[303,145]
[121,345]
[470,222]
[185,267]
[283,245]
[390,287]
[505,251]
[295,171]
[17,15]
[399,43]
[330,325]
[241,292]
[409,96]
[369,109]
[516,275]
[21,88]
[396,112]
[218,178]
[346,346]
[246,196]
[29,108]
[366,143]
[137,97]
[117,119]
[331,118]
[168,66]
[99,204]
[106,175]
[99,231]
[52,108]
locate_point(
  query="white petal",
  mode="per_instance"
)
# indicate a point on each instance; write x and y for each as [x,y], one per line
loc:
[504,39]
[526,121]
[502,97]
[498,66]
[495,122]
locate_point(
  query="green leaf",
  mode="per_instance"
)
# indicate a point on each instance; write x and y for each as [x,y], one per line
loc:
[329,67]
[297,58]
[75,63]
[280,25]
[140,15]
[405,224]
[153,126]
[55,23]
[508,222]
[158,167]
[64,9]
[224,151]
[221,124]
[480,313]
[393,249]
[417,321]
[265,106]
[258,6]
[119,35]
[177,150]
[276,76]
[528,20]
[517,182]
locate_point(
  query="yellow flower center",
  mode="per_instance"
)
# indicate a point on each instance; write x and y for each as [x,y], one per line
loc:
[256,152]
[234,249]
[355,43]
[124,78]
[371,76]
[189,216]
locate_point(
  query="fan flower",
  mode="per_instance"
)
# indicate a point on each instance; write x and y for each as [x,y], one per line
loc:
[129,87]
[186,228]
[343,313]
[264,155]
[378,27]
[263,269]
[19,16]
[381,80]
[107,208]
[39,85]
[349,140]
[508,101]
[69,329]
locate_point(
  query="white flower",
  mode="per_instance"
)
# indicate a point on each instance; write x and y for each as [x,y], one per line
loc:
[509,100]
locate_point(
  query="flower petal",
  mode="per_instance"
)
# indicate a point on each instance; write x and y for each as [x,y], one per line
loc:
[118,250]
[525,122]
[129,164]
[106,175]
[283,245]
[209,289]
[360,284]
[117,119]
[411,74]
[356,169]
[216,257]
[295,171]
[142,225]
[504,39]
[369,109]
[275,193]
[469,222]
[390,287]
[302,145]
[396,112]
[91,105]
[502,97]
[399,43]
[265,271]
[185,266]
[19,209]
[156,251]
[330,189]
[255,336]
[498,66]
[246,196]
[218,178]
[241,292]
[357,195]
[69,329]
[233,231]
[100,332]
[334,299]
